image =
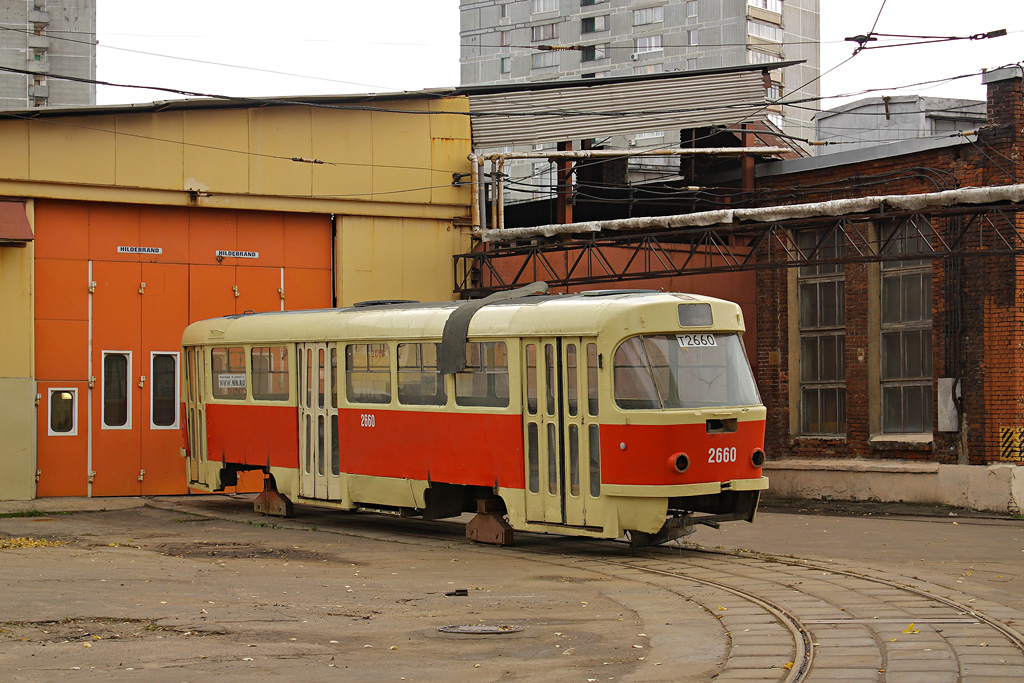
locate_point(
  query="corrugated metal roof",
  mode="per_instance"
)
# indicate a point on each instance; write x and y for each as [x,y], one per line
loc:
[615,108]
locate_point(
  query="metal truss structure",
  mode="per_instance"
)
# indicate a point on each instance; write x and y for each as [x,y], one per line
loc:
[966,231]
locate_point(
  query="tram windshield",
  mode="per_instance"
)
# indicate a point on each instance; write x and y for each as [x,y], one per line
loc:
[693,370]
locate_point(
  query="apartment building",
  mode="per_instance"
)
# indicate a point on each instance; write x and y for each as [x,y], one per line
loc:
[40,39]
[519,41]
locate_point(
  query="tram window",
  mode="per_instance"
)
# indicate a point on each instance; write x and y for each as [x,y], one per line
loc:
[309,444]
[552,459]
[531,379]
[533,457]
[334,377]
[335,455]
[63,412]
[321,373]
[309,378]
[574,460]
[270,373]
[684,371]
[549,378]
[164,388]
[594,441]
[571,380]
[419,382]
[190,374]
[320,445]
[227,365]
[484,382]
[368,373]
[115,389]
[695,315]
[592,365]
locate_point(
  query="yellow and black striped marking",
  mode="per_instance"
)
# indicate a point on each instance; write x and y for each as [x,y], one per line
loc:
[1011,444]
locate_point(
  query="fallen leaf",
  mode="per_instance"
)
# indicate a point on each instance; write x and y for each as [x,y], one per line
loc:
[787,665]
[911,629]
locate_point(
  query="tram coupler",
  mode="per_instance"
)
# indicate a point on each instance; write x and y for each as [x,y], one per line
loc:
[673,528]
[272,503]
[489,525]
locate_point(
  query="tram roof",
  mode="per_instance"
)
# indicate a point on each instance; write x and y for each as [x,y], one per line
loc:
[582,314]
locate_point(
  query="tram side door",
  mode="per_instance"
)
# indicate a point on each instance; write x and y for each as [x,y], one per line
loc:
[195,409]
[316,435]
[579,392]
[542,429]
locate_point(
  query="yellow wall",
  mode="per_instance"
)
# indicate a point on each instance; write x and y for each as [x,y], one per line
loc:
[396,259]
[374,163]
[17,389]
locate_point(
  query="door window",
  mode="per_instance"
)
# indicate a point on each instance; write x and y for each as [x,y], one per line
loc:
[116,399]
[63,405]
[164,391]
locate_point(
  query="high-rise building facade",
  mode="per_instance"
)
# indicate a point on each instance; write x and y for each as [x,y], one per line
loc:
[42,39]
[502,39]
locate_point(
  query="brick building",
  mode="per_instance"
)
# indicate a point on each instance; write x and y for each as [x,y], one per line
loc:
[858,376]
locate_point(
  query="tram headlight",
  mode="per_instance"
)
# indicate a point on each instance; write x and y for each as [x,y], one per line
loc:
[757,457]
[679,462]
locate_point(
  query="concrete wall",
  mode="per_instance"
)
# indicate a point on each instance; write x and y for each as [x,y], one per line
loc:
[994,488]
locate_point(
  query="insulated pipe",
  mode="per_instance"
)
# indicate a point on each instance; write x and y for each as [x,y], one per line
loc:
[675,151]
[499,191]
[474,192]
[494,193]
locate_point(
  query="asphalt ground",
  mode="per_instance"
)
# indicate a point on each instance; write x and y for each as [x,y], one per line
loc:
[193,588]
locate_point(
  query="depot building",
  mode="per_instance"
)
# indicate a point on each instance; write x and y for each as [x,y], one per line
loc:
[119,226]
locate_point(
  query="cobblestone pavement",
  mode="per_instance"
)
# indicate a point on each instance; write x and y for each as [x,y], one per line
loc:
[188,588]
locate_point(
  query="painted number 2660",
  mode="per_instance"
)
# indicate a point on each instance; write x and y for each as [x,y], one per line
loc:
[367,420]
[727,454]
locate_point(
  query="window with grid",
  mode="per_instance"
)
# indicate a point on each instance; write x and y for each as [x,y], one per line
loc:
[764,30]
[545,59]
[648,15]
[906,314]
[541,6]
[821,290]
[647,44]
[545,32]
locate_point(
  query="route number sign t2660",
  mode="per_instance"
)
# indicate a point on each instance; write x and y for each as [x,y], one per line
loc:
[696,340]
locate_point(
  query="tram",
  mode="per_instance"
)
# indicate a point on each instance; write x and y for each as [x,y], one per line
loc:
[602,414]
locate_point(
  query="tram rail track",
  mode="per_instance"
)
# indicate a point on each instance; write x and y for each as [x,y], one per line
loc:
[940,619]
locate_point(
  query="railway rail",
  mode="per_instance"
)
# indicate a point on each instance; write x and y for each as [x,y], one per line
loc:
[790,620]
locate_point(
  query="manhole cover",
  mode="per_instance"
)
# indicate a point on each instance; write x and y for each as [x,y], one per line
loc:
[480,629]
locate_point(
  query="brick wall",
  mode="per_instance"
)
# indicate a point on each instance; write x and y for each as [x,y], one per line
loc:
[977,319]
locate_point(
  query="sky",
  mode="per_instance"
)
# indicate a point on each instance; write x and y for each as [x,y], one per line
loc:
[349,46]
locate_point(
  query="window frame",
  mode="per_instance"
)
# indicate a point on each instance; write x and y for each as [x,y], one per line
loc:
[646,44]
[599,23]
[473,401]
[594,53]
[177,389]
[390,373]
[420,368]
[900,270]
[74,411]
[816,276]
[215,374]
[128,389]
[657,15]
[542,32]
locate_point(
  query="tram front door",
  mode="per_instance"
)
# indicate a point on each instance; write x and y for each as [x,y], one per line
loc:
[560,432]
